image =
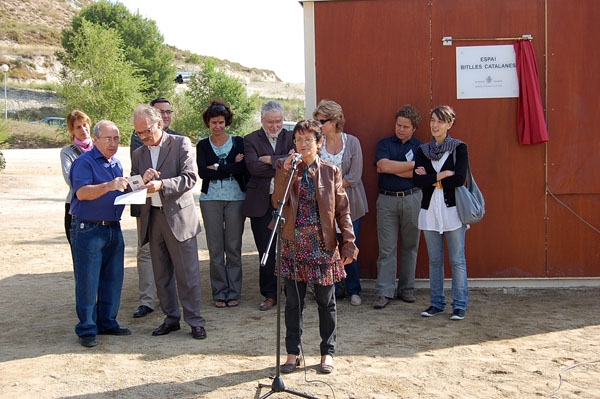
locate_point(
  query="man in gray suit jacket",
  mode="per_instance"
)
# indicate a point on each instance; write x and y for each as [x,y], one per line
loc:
[146,286]
[169,220]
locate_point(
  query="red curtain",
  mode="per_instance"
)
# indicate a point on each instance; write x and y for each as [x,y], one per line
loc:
[531,122]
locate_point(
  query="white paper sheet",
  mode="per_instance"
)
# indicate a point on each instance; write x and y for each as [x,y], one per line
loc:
[134,197]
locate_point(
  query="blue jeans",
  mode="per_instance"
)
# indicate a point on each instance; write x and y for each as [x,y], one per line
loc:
[352,269]
[455,240]
[98,256]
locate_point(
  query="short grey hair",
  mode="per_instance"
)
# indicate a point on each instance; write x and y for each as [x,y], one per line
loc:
[148,112]
[98,127]
[271,106]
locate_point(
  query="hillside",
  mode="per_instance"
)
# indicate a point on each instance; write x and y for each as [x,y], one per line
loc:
[30,36]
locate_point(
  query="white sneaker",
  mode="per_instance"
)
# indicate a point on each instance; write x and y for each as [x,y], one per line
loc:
[355,300]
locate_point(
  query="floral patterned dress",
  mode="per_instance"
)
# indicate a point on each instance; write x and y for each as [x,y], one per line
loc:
[307,255]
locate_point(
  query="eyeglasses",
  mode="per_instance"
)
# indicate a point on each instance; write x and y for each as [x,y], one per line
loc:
[323,121]
[309,140]
[108,140]
[165,111]
[147,130]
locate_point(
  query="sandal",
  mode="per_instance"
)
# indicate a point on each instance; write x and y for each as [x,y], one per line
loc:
[326,368]
[291,367]
[220,303]
[232,303]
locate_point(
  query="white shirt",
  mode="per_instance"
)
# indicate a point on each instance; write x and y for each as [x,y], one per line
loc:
[154,152]
[439,217]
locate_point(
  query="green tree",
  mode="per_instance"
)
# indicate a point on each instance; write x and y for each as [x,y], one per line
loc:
[142,43]
[99,80]
[209,84]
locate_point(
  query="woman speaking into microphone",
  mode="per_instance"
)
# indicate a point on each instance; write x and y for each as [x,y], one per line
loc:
[310,252]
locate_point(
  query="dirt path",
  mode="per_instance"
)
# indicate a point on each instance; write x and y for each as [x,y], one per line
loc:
[513,343]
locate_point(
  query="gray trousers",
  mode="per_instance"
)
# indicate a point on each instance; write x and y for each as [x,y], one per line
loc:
[224,227]
[176,272]
[397,215]
[146,286]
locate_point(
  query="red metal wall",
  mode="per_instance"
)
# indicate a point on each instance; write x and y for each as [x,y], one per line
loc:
[573,149]
[374,56]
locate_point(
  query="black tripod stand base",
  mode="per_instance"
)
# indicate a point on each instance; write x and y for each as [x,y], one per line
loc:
[279,386]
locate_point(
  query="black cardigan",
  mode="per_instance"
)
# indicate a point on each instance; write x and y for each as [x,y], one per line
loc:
[205,156]
[449,183]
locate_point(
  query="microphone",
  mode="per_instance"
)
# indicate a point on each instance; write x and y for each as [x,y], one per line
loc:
[296,158]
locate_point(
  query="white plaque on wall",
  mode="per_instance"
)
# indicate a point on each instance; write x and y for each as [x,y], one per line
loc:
[486,72]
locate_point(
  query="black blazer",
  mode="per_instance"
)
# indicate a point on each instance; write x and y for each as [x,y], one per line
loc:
[256,144]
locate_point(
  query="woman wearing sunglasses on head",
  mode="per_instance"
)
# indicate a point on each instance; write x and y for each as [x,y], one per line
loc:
[344,151]
[221,167]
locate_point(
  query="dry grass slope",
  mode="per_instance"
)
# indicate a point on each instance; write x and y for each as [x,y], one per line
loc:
[31,33]
[30,37]
[37,22]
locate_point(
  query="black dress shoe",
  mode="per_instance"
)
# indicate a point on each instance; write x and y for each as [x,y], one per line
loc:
[142,311]
[198,332]
[116,331]
[88,341]
[164,329]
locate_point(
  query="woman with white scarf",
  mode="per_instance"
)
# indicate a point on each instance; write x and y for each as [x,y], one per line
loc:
[438,172]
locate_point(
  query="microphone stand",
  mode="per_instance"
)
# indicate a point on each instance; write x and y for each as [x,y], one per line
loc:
[278,385]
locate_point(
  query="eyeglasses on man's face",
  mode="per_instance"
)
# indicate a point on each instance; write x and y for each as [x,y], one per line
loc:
[109,140]
[308,140]
[149,130]
[165,111]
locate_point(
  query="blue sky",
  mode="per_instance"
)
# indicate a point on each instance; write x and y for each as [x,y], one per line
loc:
[264,34]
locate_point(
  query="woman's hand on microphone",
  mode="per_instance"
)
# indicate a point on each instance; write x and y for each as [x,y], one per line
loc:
[287,164]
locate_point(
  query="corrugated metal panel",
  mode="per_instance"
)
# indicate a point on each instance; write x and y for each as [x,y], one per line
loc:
[510,242]
[574,148]
[373,57]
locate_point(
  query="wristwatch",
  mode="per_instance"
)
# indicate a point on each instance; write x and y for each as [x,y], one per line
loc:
[216,165]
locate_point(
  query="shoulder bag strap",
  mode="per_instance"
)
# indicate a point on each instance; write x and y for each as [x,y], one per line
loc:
[469,177]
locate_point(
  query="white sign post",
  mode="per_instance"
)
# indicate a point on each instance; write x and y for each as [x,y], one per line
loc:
[486,72]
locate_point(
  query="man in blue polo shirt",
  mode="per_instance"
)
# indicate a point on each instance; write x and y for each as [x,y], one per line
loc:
[398,208]
[97,242]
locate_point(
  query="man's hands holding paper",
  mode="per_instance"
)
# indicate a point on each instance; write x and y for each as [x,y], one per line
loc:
[137,194]
[151,181]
